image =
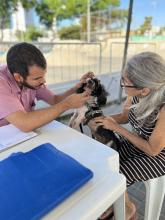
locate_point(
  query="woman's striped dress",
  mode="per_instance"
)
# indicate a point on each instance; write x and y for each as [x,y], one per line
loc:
[134,163]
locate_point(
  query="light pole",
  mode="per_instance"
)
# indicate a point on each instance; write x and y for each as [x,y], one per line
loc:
[88,22]
[126,43]
[54,25]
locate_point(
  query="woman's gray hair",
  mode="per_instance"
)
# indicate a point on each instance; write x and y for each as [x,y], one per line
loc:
[147,70]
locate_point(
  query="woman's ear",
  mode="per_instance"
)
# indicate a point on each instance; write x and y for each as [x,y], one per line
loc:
[18,77]
[145,92]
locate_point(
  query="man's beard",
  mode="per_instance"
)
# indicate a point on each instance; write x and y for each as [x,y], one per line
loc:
[27,85]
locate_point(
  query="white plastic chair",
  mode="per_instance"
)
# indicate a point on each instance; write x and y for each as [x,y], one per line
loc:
[155,191]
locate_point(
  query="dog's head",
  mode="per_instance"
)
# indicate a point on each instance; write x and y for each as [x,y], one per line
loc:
[96,89]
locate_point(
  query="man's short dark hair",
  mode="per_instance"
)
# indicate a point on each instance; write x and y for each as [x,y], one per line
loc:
[23,55]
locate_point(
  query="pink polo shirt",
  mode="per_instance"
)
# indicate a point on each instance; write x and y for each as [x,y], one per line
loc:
[13,99]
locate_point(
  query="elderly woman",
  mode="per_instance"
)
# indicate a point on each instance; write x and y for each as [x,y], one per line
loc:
[142,149]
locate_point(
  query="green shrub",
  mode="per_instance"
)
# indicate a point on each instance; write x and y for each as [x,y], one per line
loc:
[32,34]
[71,32]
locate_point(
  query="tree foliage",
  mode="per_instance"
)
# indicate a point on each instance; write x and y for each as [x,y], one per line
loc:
[104,4]
[146,26]
[46,15]
[62,9]
[116,18]
[119,16]
[32,34]
[162,31]
[7,7]
[27,4]
[72,32]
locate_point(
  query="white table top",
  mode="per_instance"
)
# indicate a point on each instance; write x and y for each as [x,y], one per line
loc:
[101,191]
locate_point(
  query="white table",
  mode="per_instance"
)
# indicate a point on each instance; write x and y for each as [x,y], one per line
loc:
[107,187]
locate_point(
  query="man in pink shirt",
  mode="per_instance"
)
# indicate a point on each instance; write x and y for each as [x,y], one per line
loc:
[22,83]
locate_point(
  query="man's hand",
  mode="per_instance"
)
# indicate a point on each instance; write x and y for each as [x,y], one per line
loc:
[76,100]
[83,79]
[87,75]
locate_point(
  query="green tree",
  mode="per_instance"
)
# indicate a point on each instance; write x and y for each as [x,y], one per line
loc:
[7,7]
[119,17]
[73,8]
[162,31]
[46,15]
[72,32]
[48,10]
[27,4]
[146,26]
[115,17]
[32,33]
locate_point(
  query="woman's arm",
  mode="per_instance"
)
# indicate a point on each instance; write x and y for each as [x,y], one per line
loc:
[153,146]
[122,118]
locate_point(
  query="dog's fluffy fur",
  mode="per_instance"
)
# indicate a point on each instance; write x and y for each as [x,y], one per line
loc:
[92,109]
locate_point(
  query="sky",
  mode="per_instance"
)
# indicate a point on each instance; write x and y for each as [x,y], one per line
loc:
[141,9]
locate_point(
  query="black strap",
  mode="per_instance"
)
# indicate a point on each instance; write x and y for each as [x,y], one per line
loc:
[81,129]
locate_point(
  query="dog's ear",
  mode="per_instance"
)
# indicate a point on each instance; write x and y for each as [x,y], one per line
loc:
[81,89]
[102,98]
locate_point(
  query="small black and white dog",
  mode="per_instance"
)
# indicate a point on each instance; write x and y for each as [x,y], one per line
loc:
[92,109]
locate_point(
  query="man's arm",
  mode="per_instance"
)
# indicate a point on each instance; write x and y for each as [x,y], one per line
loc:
[28,121]
[156,141]
[60,97]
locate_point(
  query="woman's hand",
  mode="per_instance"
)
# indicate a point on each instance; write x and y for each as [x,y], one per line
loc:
[107,122]
[92,125]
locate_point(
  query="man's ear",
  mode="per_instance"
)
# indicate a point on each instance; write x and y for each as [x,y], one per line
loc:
[18,77]
[145,92]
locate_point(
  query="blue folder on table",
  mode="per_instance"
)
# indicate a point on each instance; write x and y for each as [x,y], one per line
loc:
[33,183]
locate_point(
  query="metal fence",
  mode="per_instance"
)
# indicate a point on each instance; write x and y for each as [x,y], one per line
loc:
[69,61]
[117,51]
[65,61]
